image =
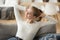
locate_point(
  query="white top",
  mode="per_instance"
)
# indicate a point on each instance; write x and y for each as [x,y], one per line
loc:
[27,31]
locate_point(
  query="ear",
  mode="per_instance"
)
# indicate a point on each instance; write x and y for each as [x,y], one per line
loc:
[34,16]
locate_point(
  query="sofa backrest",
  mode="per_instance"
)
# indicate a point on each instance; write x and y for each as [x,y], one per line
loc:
[51,28]
[9,30]
[7,13]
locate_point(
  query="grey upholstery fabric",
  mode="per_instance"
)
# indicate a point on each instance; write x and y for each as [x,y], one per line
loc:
[6,13]
[51,28]
[7,31]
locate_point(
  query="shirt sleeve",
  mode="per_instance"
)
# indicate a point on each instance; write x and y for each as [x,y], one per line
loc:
[50,21]
[17,13]
[23,8]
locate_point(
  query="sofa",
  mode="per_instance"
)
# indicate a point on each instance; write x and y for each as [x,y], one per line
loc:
[6,13]
[9,30]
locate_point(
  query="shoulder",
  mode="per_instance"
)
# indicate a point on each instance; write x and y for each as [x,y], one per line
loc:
[44,20]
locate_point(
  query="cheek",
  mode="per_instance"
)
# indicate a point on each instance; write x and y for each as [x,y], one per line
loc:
[29,15]
[25,14]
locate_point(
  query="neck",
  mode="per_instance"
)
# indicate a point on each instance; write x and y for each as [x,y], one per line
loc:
[30,20]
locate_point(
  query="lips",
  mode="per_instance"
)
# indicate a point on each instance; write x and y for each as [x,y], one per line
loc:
[29,17]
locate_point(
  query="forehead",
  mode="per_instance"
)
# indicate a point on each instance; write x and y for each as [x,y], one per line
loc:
[29,9]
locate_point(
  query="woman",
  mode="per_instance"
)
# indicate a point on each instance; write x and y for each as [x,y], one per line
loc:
[28,27]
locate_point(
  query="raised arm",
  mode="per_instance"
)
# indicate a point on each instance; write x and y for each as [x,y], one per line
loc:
[17,13]
[51,20]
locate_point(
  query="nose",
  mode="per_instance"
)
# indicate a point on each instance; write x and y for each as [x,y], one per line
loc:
[29,15]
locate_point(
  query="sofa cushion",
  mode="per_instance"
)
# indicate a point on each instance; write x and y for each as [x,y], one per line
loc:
[7,30]
[51,28]
[43,31]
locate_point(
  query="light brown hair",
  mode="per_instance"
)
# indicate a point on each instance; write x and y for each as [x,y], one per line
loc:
[37,13]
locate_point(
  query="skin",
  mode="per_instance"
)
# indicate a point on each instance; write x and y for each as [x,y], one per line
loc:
[29,14]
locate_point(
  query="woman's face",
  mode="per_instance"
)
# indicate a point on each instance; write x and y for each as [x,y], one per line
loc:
[29,13]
